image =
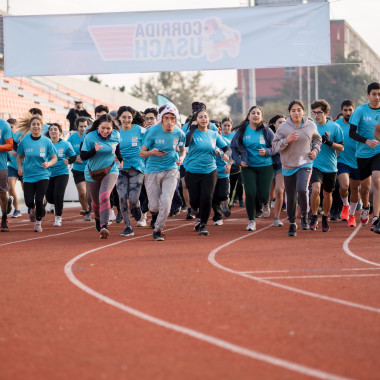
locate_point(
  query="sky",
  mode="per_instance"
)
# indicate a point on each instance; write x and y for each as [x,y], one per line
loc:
[362,15]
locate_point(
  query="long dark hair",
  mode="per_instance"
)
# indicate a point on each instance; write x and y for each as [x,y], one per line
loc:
[137,117]
[243,125]
[59,126]
[101,119]
[194,117]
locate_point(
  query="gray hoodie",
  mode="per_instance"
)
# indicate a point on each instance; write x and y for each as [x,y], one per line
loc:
[295,154]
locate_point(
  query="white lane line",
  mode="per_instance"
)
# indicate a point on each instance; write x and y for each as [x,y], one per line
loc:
[29,223]
[272,360]
[350,253]
[321,276]
[46,236]
[306,270]
[212,260]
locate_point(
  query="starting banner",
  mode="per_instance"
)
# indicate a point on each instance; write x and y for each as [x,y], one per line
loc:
[181,40]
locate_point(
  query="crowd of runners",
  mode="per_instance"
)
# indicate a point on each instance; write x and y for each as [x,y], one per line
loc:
[147,165]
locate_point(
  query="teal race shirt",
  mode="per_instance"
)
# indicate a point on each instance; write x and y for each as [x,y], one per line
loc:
[229,137]
[326,160]
[213,127]
[35,153]
[348,156]
[201,157]
[220,164]
[105,156]
[130,145]
[254,140]
[75,140]
[5,134]
[64,150]
[366,118]
[168,142]
[13,159]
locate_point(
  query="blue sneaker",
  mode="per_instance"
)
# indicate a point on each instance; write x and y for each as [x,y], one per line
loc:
[16,214]
[127,232]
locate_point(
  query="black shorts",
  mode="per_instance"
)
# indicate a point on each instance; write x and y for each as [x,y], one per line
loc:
[326,179]
[78,176]
[182,171]
[368,165]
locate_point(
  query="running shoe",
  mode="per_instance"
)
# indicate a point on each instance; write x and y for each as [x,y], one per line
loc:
[4,224]
[153,221]
[112,215]
[174,212]
[259,213]
[364,215]
[218,222]
[277,222]
[241,203]
[51,207]
[142,221]
[190,214]
[183,209]
[197,224]
[9,205]
[292,229]
[16,214]
[158,236]
[203,230]
[314,222]
[375,220]
[344,215]
[304,224]
[225,208]
[104,233]
[351,221]
[119,217]
[58,221]
[376,227]
[325,224]
[251,226]
[37,226]
[32,215]
[266,210]
[87,217]
[127,232]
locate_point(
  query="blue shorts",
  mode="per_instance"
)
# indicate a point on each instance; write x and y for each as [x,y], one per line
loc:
[343,168]
[12,172]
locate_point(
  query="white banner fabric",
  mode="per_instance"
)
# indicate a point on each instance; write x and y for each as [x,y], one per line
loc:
[181,40]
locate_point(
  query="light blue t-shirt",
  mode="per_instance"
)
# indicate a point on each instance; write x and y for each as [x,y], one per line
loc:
[64,150]
[13,159]
[289,172]
[105,156]
[201,157]
[36,152]
[5,134]
[130,145]
[229,137]
[366,118]
[326,160]
[75,140]
[254,140]
[168,142]
[220,164]
[348,156]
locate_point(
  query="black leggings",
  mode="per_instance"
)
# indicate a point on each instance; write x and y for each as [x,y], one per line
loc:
[34,194]
[55,192]
[236,187]
[201,190]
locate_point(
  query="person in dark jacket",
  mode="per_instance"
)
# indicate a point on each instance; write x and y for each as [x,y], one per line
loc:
[76,112]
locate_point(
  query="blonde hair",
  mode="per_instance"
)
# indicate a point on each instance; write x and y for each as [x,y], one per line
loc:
[25,123]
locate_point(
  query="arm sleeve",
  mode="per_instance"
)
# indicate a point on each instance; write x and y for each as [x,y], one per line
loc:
[84,155]
[355,135]
[189,136]
[118,153]
[72,159]
[8,146]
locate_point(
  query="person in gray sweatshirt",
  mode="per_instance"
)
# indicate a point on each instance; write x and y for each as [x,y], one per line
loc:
[298,141]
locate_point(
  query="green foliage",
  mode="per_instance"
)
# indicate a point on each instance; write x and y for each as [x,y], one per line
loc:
[93,78]
[122,88]
[182,89]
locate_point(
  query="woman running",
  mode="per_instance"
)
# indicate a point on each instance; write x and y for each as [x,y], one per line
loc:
[200,165]
[59,176]
[76,139]
[33,154]
[131,174]
[101,143]
[298,142]
[252,150]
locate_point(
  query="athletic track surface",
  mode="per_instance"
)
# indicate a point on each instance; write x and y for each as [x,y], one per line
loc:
[233,305]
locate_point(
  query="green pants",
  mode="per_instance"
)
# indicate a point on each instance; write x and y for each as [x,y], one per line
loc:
[257,182]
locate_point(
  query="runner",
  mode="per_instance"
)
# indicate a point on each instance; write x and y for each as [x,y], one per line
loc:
[325,164]
[59,176]
[298,141]
[33,153]
[101,143]
[161,173]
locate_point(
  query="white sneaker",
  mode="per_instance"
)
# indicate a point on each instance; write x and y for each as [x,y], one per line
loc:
[112,215]
[142,221]
[266,210]
[50,208]
[58,221]
[218,222]
[277,222]
[37,227]
[364,215]
[251,226]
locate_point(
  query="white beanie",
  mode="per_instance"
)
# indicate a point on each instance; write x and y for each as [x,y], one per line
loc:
[169,108]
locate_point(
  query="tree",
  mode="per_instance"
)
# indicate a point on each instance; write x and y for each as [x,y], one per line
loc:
[122,88]
[93,78]
[182,89]
[344,79]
